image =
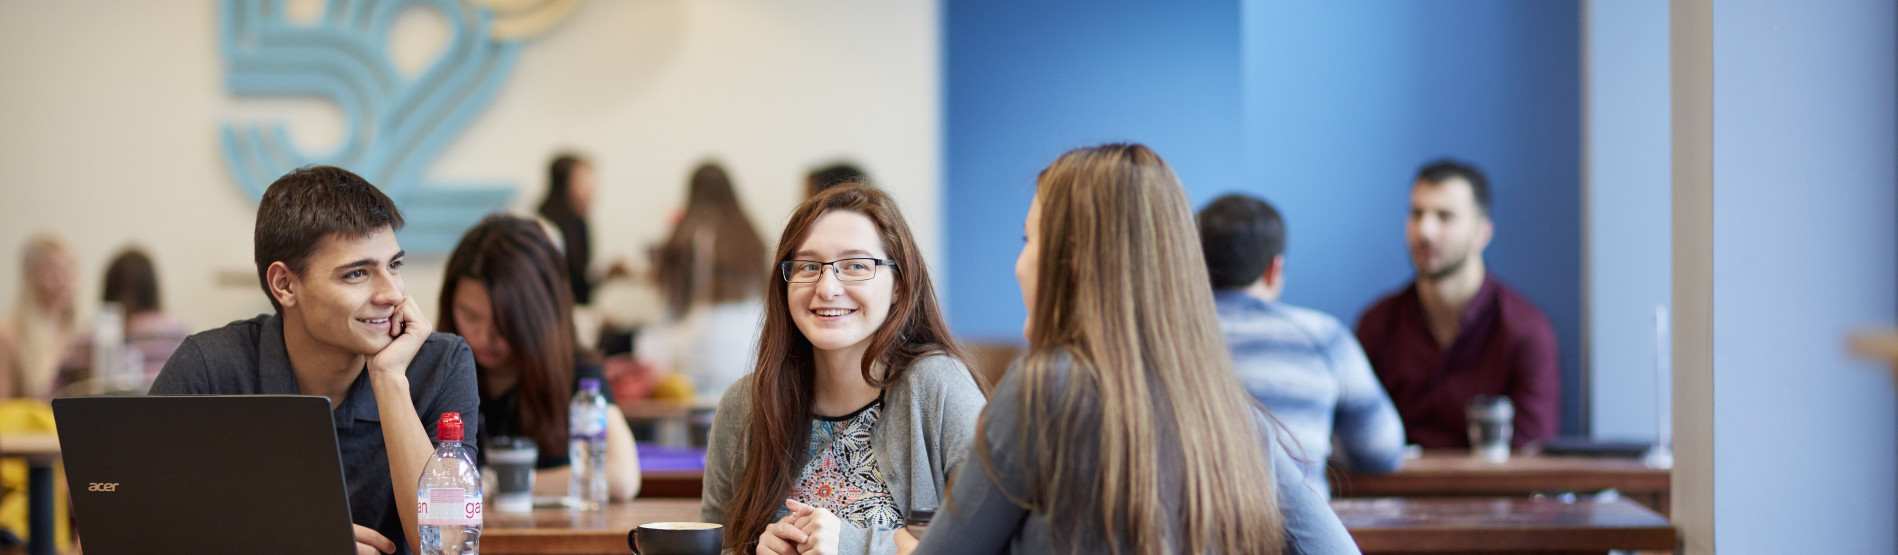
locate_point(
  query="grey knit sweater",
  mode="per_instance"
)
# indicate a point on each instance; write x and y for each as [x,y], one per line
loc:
[924,433]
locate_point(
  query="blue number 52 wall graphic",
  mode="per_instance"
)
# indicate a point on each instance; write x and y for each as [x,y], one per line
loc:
[396,126]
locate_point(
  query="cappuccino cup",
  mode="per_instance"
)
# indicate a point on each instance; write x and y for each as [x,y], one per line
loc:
[676,538]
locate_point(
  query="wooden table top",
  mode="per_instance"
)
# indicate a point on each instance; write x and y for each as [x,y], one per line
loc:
[1472,525]
[1460,525]
[1455,473]
[672,483]
[566,531]
[29,444]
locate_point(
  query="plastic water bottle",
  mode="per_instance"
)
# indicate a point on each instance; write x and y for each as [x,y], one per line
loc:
[108,346]
[586,426]
[448,504]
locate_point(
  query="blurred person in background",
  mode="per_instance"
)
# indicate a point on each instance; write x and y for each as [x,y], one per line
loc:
[832,175]
[505,292]
[1303,365]
[570,188]
[710,271]
[40,339]
[132,282]
[1458,331]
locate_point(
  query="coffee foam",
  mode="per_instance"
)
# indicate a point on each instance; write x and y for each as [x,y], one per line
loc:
[681,525]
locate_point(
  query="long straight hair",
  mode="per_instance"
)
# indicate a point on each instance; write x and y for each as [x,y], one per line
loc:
[714,255]
[1121,294]
[43,334]
[784,383]
[526,278]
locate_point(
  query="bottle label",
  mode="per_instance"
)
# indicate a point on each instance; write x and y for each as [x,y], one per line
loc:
[448,507]
[588,425]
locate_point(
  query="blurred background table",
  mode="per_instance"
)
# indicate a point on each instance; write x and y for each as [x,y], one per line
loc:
[40,451]
[671,472]
[1456,474]
[1502,525]
[570,532]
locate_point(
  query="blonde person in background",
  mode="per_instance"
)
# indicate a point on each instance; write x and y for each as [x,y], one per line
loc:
[38,338]
[709,271]
[1124,430]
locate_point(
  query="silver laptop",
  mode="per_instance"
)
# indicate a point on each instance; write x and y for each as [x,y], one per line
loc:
[205,474]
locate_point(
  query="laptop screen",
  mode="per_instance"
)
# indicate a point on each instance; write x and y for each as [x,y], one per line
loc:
[204,474]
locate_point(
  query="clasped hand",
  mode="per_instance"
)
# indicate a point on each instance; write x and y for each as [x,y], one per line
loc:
[808,530]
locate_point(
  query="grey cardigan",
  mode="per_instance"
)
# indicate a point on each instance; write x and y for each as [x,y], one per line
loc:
[925,432]
[986,519]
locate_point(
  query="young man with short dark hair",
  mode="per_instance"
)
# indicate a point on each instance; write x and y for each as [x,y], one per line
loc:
[1458,332]
[344,329]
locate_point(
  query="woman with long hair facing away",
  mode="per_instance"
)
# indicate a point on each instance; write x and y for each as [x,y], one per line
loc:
[859,406]
[709,269]
[505,291]
[1124,429]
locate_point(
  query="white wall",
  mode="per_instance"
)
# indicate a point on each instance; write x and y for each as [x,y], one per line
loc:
[111,111]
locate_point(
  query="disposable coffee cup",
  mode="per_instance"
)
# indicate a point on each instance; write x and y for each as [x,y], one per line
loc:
[918,521]
[512,459]
[1492,421]
[676,538]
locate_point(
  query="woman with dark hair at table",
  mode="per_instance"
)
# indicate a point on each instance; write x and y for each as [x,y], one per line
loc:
[1125,429]
[132,282]
[505,292]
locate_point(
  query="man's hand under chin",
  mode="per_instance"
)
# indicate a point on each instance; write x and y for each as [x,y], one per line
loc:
[410,328]
[403,431]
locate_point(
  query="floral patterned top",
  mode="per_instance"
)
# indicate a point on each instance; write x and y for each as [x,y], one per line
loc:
[842,474]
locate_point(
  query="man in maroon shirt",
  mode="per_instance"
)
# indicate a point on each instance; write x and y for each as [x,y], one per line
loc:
[1458,332]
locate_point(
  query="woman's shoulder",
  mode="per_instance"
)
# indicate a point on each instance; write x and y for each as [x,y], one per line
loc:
[737,399]
[936,372]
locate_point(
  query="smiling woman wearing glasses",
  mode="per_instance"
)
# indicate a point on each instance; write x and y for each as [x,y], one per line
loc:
[859,406]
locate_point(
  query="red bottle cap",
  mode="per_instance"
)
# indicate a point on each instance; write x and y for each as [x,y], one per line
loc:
[449,429]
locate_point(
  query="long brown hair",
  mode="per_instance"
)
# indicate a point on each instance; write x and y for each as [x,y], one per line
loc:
[526,278]
[785,384]
[1121,294]
[714,254]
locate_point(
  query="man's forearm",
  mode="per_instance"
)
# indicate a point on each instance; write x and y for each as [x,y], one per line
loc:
[408,445]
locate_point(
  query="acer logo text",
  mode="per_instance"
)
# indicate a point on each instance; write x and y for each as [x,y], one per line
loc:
[102,486]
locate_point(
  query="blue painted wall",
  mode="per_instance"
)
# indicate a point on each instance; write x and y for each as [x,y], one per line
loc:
[1629,174]
[1326,109]
[1346,100]
[1026,81]
[1805,222]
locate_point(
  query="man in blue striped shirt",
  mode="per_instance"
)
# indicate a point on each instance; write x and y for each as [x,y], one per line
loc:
[1304,365]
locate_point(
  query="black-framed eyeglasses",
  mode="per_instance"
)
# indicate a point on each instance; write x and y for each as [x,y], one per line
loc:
[846,269]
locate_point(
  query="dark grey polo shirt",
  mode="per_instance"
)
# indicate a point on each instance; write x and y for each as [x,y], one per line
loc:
[248,358]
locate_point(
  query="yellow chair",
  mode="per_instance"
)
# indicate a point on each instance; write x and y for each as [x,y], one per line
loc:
[34,417]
